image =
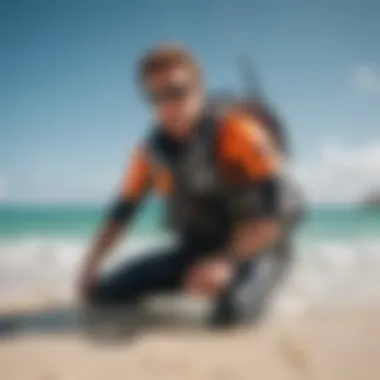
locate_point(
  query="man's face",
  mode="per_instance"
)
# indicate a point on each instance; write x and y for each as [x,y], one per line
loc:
[176,97]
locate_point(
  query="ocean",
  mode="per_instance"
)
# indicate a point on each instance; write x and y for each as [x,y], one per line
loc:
[337,251]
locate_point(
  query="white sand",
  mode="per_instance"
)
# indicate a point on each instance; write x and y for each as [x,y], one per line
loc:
[341,345]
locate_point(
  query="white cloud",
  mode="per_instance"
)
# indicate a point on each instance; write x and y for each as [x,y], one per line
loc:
[367,78]
[341,173]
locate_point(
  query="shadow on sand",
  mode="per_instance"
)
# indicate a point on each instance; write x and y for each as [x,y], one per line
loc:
[60,319]
[68,319]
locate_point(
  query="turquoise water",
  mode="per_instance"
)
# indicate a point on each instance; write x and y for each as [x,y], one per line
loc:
[341,223]
[70,220]
[328,222]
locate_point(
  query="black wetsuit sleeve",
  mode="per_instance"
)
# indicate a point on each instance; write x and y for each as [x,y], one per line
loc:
[269,191]
[265,200]
[123,210]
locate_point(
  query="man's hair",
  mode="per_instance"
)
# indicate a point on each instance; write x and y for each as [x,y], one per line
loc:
[166,57]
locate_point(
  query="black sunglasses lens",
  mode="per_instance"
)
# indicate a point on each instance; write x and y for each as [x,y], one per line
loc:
[168,94]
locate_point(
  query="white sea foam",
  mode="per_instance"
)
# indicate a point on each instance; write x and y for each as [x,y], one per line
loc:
[324,274]
[330,275]
[34,266]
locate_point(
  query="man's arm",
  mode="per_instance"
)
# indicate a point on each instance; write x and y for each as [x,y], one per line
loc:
[252,149]
[257,232]
[243,144]
[134,188]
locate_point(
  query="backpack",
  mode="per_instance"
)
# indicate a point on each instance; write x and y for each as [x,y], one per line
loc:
[260,110]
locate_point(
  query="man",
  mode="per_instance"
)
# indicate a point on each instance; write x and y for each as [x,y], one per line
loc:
[217,172]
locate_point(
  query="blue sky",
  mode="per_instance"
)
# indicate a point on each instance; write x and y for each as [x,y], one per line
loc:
[70,111]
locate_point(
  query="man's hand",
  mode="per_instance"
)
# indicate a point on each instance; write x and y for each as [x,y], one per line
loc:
[252,237]
[87,279]
[89,273]
[209,277]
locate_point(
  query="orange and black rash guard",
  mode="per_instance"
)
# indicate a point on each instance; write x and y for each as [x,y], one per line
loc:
[243,146]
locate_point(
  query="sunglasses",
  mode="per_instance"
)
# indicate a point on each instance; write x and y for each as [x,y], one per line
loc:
[169,93]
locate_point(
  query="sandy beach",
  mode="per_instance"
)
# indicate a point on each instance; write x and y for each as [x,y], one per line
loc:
[331,345]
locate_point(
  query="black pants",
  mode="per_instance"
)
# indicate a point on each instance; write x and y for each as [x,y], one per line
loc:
[162,271]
